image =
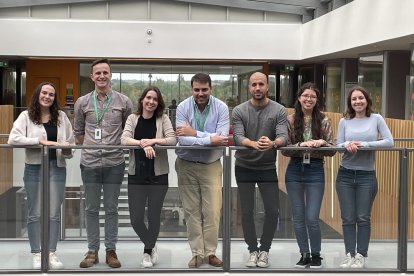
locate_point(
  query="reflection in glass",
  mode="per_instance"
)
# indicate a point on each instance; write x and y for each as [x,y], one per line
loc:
[370,70]
[333,87]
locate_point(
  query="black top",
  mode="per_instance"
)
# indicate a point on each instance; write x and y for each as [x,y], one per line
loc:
[51,132]
[145,129]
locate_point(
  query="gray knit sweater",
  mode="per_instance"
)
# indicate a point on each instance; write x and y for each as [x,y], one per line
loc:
[253,122]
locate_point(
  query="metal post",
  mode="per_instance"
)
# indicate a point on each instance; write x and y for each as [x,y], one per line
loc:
[44,197]
[226,208]
[403,212]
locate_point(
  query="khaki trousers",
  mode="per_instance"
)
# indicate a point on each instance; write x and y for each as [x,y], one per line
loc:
[200,189]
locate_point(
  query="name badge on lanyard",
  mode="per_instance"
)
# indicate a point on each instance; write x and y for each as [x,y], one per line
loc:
[98,134]
[99,116]
[306,158]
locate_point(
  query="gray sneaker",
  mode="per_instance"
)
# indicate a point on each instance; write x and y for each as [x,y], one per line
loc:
[252,261]
[263,260]
[359,261]
[154,255]
[348,261]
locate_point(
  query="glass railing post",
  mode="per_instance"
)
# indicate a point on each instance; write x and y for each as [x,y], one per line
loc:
[403,212]
[226,208]
[45,198]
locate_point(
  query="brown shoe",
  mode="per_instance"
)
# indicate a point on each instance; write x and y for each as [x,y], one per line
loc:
[112,259]
[214,261]
[91,258]
[195,262]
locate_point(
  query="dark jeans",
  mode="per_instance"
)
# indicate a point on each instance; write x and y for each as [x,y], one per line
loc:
[356,192]
[141,191]
[268,186]
[305,185]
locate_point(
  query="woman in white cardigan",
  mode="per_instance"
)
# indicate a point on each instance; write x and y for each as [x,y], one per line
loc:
[43,124]
[148,168]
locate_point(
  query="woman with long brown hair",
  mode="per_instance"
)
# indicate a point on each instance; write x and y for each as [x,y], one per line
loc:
[44,123]
[148,168]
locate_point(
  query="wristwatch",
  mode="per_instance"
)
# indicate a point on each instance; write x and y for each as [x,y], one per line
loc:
[275,145]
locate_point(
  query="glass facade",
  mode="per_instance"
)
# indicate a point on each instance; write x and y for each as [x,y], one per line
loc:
[333,74]
[370,76]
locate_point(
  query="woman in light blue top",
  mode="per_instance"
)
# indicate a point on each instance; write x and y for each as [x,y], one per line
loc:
[356,183]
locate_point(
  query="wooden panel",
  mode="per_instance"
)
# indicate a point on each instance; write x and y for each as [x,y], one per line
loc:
[61,72]
[6,160]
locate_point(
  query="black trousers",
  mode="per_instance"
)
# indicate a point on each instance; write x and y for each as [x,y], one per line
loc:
[150,190]
[268,186]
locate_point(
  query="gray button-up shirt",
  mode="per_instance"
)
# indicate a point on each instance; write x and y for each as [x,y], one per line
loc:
[111,126]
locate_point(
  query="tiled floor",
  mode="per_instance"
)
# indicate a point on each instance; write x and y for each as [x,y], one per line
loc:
[174,256]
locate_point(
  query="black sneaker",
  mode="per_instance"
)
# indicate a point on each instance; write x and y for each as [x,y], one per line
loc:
[304,261]
[316,261]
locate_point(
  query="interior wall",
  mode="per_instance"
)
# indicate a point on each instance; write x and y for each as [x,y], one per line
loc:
[356,24]
[167,40]
[61,72]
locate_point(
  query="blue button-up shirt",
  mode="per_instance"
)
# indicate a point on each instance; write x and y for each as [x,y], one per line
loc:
[217,121]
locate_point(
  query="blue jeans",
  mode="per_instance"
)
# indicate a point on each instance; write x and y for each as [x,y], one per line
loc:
[33,186]
[305,185]
[356,192]
[269,190]
[96,179]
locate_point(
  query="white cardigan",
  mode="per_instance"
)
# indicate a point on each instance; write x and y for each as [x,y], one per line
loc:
[25,132]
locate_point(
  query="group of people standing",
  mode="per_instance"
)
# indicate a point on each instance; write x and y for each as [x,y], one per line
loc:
[104,117]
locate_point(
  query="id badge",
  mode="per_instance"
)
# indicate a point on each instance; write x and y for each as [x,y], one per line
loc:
[98,134]
[306,158]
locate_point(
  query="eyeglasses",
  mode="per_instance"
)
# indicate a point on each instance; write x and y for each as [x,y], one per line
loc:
[205,89]
[309,97]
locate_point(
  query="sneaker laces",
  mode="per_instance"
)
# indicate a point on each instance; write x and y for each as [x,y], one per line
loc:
[347,259]
[112,254]
[359,259]
[53,257]
[263,256]
[253,256]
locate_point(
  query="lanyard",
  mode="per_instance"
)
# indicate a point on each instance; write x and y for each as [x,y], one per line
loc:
[200,125]
[308,135]
[99,116]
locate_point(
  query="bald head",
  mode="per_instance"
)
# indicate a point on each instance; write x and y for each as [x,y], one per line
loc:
[257,75]
[258,87]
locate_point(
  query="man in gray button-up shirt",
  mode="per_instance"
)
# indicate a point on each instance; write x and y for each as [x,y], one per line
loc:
[99,119]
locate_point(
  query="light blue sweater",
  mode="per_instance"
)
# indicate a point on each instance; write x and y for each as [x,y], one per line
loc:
[367,131]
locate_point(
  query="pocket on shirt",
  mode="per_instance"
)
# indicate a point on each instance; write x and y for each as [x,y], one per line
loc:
[115,116]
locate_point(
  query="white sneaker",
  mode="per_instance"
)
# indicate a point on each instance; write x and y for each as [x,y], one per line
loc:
[154,255]
[146,261]
[37,260]
[54,262]
[263,260]
[252,261]
[349,260]
[359,261]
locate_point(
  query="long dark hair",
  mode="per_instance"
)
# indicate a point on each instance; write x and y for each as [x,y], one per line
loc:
[161,105]
[34,108]
[299,119]
[350,112]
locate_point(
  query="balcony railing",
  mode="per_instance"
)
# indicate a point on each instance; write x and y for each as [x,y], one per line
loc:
[391,216]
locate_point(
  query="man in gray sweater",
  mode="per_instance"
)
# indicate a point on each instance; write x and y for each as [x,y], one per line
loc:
[261,125]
